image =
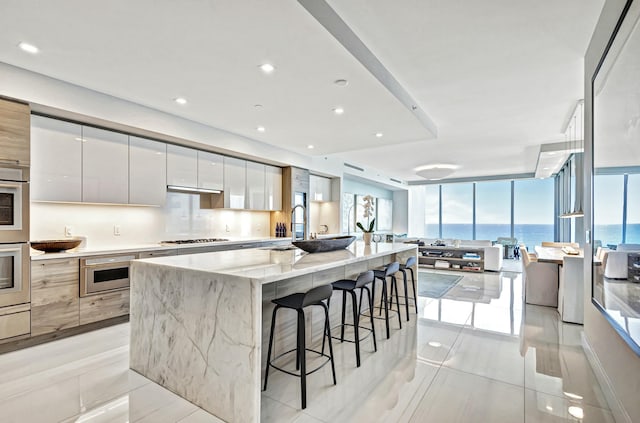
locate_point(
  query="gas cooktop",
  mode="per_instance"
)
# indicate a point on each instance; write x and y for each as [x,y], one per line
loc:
[194,241]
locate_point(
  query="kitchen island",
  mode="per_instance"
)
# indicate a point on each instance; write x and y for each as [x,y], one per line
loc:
[199,322]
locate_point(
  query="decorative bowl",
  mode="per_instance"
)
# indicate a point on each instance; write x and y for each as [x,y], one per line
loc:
[55,245]
[323,245]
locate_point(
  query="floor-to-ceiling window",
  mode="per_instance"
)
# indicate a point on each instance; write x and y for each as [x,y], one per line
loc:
[493,209]
[632,230]
[457,211]
[483,209]
[608,210]
[533,211]
[432,211]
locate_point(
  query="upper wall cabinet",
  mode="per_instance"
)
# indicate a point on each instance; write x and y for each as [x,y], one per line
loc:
[210,170]
[105,166]
[182,166]
[273,187]
[147,171]
[235,176]
[14,132]
[319,188]
[255,186]
[56,168]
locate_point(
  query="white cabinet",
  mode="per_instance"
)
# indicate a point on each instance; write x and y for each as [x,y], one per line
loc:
[273,187]
[182,166]
[147,171]
[210,170]
[320,188]
[56,160]
[235,176]
[255,186]
[105,166]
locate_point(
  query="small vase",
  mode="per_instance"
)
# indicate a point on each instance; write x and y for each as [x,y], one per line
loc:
[366,237]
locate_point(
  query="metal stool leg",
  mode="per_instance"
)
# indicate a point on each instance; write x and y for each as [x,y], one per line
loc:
[386,306]
[356,322]
[406,292]
[301,355]
[373,328]
[344,311]
[394,283]
[273,326]
[413,285]
[328,332]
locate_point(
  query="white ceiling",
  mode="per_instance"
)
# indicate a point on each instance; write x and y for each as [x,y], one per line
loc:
[497,77]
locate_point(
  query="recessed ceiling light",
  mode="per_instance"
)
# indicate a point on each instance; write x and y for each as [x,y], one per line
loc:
[180,100]
[572,395]
[435,344]
[576,412]
[550,408]
[338,110]
[545,168]
[29,48]
[310,147]
[267,67]
[260,129]
[341,82]
[257,106]
[379,134]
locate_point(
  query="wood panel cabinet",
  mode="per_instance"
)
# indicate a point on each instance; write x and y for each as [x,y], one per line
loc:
[105,166]
[235,177]
[104,306]
[273,187]
[182,166]
[54,295]
[56,165]
[255,186]
[14,132]
[147,171]
[210,170]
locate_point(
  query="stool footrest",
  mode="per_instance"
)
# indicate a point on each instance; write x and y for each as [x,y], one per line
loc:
[328,359]
[369,332]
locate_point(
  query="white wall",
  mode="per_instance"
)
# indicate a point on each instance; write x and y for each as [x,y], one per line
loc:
[619,363]
[180,218]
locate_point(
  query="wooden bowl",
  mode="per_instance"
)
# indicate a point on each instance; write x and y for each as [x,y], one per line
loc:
[55,245]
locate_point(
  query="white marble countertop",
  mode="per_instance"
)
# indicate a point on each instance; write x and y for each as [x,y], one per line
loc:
[134,248]
[264,265]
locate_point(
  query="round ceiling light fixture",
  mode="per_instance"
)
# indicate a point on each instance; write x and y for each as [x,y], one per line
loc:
[338,110]
[180,100]
[260,129]
[379,134]
[434,172]
[267,67]
[341,82]
[29,48]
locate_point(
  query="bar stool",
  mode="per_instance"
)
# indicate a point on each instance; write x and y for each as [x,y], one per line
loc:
[389,271]
[350,286]
[298,301]
[408,265]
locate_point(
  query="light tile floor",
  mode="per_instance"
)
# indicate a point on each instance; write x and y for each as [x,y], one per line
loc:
[476,355]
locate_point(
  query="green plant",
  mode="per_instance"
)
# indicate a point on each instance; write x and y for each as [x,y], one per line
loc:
[371,225]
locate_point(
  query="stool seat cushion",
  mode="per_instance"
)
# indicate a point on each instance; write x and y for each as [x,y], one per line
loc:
[344,285]
[299,300]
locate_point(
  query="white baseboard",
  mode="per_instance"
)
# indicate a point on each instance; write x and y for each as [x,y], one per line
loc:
[616,407]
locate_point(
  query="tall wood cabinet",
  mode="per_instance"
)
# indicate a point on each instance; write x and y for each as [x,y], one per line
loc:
[14,132]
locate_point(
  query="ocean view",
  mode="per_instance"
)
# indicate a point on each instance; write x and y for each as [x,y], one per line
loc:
[531,234]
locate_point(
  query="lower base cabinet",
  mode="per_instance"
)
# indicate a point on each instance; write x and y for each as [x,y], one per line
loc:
[54,295]
[14,324]
[104,306]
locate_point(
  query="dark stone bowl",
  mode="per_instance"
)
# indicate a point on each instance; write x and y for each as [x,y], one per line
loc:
[325,244]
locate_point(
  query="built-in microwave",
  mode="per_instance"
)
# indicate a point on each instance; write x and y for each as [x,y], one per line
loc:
[14,205]
[104,273]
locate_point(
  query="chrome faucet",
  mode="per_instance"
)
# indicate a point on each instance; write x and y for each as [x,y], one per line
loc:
[293,222]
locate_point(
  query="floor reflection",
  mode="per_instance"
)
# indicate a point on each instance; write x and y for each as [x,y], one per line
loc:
[477,354]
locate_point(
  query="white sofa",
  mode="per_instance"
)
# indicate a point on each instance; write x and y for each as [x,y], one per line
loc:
[615,262]
[493,254]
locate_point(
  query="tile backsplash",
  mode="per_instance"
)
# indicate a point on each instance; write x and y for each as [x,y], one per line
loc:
[181,217]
